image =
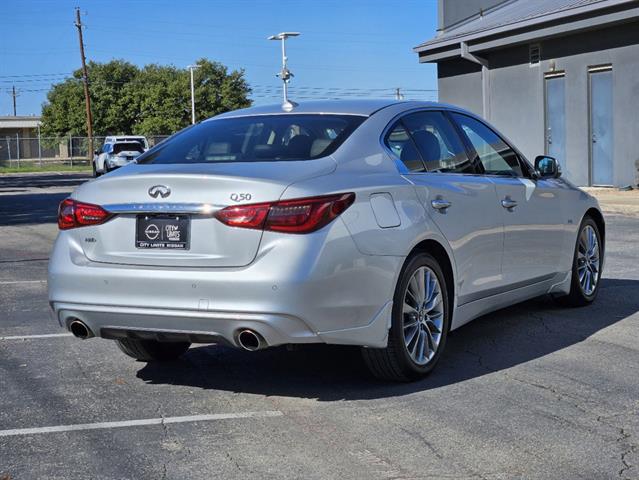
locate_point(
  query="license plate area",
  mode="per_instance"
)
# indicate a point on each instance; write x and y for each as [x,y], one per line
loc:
[170,232]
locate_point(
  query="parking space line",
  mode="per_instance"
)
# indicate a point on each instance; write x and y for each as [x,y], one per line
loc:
[17,282]
[44,335]
[139,423]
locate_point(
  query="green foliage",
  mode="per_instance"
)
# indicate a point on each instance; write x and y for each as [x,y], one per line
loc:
[153,100]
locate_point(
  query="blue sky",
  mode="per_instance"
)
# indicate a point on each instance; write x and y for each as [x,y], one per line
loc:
[346,44]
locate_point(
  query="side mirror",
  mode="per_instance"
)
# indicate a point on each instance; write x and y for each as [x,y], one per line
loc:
[547,167]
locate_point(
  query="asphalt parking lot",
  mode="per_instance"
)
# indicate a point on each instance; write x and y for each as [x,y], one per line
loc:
[532,391]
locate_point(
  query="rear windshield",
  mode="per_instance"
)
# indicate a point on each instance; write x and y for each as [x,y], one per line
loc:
[266,138]
[127,147]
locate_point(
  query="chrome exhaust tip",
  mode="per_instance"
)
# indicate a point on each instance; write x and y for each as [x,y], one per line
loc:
[250,340]
[80,330]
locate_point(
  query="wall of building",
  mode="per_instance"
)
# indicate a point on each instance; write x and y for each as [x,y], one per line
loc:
[517,95]
[459,83]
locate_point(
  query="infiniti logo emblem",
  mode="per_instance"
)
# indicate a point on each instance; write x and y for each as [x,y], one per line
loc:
[159,190]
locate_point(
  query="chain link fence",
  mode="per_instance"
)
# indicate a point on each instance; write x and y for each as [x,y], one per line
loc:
[16,151]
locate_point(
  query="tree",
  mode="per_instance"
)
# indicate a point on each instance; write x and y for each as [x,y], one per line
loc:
[153,100]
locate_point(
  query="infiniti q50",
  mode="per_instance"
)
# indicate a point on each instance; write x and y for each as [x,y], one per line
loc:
[379,224]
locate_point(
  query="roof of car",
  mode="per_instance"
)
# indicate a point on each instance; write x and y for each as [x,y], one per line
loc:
[345,107]
[123,138]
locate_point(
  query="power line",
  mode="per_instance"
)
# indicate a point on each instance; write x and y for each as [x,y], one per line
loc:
[35,75]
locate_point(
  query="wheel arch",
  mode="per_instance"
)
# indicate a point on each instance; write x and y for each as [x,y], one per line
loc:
[598,218]
[439,252]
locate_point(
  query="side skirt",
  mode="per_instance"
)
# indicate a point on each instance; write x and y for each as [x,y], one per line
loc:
[471,310]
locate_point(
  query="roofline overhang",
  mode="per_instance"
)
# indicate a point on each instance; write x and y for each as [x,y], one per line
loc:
[508,35]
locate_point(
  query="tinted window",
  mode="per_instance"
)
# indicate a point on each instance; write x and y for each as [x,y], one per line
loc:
[494,154]
[437,142]
[127,147]
[400,143]
[264,138]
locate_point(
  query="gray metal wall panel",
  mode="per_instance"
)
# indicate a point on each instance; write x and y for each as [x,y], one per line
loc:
[517,97]
[460,80]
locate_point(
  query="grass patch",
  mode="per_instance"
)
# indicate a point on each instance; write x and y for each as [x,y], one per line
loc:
[56,167]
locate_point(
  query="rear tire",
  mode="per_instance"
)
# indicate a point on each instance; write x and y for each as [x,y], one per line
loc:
[152,350]
[588,256]
[427,317]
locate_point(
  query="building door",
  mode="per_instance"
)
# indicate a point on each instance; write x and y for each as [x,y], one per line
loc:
[556,116]
[601,135]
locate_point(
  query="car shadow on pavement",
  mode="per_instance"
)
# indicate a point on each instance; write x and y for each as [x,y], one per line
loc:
[43,180]
[30,209]
[495,342]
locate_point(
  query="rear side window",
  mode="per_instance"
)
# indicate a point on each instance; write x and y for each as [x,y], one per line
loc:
[437,142]
[263,138]
[399,142]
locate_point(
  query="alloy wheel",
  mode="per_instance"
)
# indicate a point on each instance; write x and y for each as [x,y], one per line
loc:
[423,315]
[588,261]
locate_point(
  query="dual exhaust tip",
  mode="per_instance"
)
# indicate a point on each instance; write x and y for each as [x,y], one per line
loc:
[250,340]
[80,330]
[247,339]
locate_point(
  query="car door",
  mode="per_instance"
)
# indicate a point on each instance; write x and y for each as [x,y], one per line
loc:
[462,205]
[533,216]
[100,164]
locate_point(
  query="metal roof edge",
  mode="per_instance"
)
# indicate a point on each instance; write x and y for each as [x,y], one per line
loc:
[439,43]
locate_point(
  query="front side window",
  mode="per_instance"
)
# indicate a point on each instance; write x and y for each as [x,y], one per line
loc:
[496,157]
[437,142]
[260,138]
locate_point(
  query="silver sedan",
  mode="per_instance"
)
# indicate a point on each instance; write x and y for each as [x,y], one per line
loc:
[375,223]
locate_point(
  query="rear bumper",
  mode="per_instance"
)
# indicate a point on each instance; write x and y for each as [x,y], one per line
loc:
[197,326]
[117,162]
[300,289]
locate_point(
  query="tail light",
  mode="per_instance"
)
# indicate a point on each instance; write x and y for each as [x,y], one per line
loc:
[303,215]
[72,214]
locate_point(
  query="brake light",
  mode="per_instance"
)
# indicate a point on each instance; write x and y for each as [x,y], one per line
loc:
[302,215]
[72,214]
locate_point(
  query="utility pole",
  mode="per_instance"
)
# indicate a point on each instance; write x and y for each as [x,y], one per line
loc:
[398,94]
[85,75]
[191,68]
[14,95]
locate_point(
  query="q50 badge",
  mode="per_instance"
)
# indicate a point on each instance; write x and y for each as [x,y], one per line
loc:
[240,197]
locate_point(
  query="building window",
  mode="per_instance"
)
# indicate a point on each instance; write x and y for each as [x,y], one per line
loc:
[534,54]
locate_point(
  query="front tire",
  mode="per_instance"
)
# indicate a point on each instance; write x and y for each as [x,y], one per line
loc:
[152,350]
[586,266]
[420,323]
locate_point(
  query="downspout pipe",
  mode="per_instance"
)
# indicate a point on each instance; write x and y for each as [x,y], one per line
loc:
[485,77]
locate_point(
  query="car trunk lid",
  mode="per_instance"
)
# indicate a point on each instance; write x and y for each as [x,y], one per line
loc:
[195,191]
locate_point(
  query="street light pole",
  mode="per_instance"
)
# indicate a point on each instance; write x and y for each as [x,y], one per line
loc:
[285,74]
[191,68]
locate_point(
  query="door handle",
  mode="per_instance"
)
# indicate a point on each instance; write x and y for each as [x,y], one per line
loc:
[508,203]
[440,204]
